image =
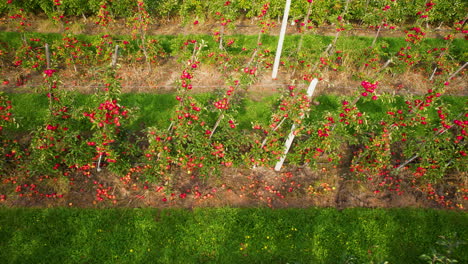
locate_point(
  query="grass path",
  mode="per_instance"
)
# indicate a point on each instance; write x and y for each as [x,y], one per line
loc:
[227,235]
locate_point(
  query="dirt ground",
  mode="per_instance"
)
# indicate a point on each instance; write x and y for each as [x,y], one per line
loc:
[246,26]
[259,187]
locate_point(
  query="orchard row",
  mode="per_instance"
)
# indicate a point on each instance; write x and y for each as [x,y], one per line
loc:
[318,12]
[305,56]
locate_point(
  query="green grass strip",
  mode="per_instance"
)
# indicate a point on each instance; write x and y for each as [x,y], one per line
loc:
[227,235]
[149,110]
[312,43]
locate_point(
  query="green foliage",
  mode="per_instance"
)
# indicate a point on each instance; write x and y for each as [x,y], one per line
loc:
[165,9]
[109,121]
[50,146]
[323,11]
[449,245]
[7,120]
[193,9]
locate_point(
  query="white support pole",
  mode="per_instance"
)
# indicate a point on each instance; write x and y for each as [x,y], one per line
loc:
[311,89]
[289,140]
[281,39]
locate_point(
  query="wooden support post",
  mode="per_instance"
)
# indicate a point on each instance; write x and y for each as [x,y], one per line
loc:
[115,56]
[216,124]
[47,52]
[459,70]
[377,35]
